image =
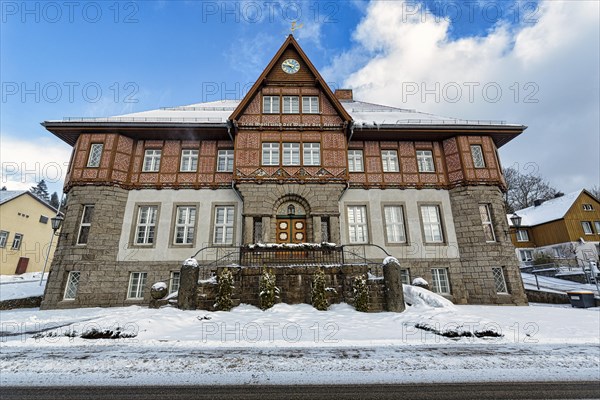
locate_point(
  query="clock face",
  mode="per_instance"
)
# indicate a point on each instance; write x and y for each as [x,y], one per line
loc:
[290,66]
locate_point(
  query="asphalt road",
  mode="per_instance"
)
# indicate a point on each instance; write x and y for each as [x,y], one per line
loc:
[481,391]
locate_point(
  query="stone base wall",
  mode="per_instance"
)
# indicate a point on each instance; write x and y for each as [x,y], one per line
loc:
[477,257]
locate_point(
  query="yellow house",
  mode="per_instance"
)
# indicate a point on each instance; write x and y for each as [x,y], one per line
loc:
[25,232]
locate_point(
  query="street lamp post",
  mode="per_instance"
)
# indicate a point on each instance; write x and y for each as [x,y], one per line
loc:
[56,223]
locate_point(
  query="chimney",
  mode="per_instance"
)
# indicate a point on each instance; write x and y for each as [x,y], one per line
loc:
[344,94]
[538,202]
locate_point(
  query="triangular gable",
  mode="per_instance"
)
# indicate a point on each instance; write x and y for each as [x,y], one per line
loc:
[288,49]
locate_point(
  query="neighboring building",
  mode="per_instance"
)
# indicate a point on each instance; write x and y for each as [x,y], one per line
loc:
[566,228]
[25,232]
[290,162]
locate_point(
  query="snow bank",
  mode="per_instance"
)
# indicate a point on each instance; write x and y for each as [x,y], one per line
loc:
[416,296]
[419,281]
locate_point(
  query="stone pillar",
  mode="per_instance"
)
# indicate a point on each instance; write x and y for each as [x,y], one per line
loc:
[188,283]
[248,230]
[394,293]
[266,229]
[334,229]
[317,237]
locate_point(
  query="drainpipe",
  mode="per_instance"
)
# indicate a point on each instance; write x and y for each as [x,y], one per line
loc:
[229,126]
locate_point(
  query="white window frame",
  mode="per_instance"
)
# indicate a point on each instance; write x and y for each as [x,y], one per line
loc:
[189,160]
[72,285]
[477,156]
[389,160]
[85,223]
[225,161]
[95,155]
[4,238]
[185,222]
[485,213]
[270,153]
[355,161]
[525,255]
[271,104]
[137,282]
[395,229]
[358,228]
[310,104]
[588,225]
[226,225]
[151,160]
[291,154]
[311,154]
[588,207]
[433,231]
[440,283]
[499,280]
[291,104]
[425,161]
[522,235]
[174,282]
[17,241]
[148,227]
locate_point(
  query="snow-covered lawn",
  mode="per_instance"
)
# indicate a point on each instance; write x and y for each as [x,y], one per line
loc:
[298,344]
[21,286]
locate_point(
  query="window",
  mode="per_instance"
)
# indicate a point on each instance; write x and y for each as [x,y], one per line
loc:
[16,245]
[499,280]
[597,225]
[137,281]
[587,227]
[72,285]
[291,105]
[223,225]
[174,282]
[95,155]
[440,283]
[43,219]
[389,158]
[405,276]
[425,161]
[189,161]
[432,225]
[526,255]
[486,221]
[355,161]
[357,224]
[146,225]
[312,154]
[270,153]
[271,104]
[85,224]
[477,154]
[225,161]
[522,235]
[151,161]
[257,227]
[3,239]
[310,104]
[185,225]
[588,207]
[291,154]
[394,224]
[325,229]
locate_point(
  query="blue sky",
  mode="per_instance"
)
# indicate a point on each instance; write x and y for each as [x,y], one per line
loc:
[107,58]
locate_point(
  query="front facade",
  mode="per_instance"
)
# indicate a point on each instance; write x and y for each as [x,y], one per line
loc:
[25,232]
[292,162]
[565,229]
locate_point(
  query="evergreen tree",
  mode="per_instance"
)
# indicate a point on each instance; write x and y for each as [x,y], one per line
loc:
[318,296]
[41,190]
[224,290]
[4,188]
[268,291]
[361,293]
[54,201]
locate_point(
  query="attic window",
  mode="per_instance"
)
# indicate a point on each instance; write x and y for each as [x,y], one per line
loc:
[588,207]
[291,105]
[271,104]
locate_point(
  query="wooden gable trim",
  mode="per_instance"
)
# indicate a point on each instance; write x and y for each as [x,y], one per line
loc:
[290,41]
[576,202]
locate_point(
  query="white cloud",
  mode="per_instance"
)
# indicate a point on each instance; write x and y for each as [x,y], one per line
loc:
[547,72]
[26,162]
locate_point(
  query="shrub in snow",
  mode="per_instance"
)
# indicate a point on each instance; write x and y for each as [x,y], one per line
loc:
[268,291]
[318,296]
[361,293]
[420,282]
[224,290]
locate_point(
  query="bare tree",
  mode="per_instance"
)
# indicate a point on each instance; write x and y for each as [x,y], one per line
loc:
[595,191]
[525,188]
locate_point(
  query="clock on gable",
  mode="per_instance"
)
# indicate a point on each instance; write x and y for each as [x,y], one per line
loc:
[290,66]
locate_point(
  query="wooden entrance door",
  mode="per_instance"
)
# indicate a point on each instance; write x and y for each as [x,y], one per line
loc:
[22,265]
[291,230]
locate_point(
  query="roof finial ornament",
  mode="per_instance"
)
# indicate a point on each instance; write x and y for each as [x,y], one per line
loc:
[295,27]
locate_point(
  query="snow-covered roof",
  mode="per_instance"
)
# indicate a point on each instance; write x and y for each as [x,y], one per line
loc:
[8,195]
[548,211]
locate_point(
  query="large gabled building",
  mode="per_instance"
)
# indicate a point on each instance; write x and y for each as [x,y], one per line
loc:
[291,162]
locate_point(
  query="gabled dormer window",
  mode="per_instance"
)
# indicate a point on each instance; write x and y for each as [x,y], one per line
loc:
[271,104]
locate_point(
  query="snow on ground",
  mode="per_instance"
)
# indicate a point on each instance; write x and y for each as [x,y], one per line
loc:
[297,344]
[21,286]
